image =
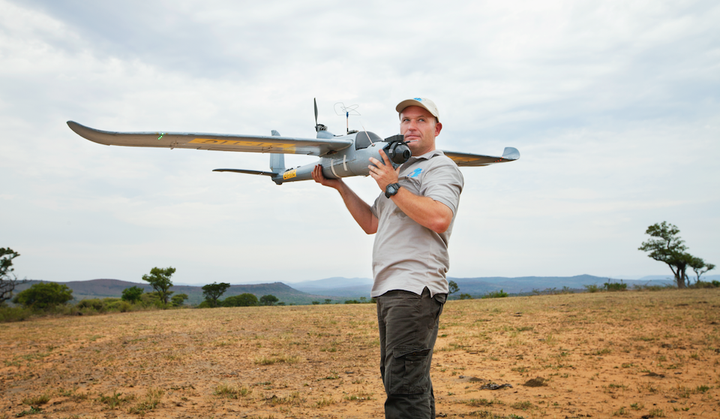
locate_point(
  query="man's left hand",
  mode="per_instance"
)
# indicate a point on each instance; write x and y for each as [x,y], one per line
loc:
[382,171]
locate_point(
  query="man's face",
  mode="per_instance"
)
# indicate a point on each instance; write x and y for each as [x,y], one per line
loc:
[419,127]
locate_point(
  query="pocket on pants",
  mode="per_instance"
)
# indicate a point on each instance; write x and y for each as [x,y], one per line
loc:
[409,372]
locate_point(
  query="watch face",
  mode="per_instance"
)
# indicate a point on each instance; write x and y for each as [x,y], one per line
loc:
[391,189]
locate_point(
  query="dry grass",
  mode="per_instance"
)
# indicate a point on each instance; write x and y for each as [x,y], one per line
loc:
[631,354]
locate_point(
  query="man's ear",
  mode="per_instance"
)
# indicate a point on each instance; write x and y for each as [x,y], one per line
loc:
[438,128]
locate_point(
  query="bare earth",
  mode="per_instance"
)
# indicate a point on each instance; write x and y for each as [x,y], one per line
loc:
[629,354]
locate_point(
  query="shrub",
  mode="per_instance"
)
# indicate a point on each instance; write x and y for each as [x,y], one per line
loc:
[132,294]
[91,303]
[14,314]
[496,294]
[44,295]
[592,288]
[242,300]
[268,300]
[703,284]
[118,305]
[615,286]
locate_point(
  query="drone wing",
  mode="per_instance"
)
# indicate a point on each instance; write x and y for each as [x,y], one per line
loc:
[220,142]
[467,159]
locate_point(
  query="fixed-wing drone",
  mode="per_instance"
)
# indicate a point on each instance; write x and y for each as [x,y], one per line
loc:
[340,155]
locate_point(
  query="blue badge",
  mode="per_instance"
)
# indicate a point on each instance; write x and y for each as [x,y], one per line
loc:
[419,99]
[415,173]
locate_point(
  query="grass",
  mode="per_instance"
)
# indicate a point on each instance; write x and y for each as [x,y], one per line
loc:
[603,351]
[231,392]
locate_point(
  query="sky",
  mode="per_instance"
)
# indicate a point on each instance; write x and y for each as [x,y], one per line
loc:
[613,105]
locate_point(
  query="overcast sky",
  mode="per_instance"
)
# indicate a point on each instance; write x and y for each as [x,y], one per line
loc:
[612,104]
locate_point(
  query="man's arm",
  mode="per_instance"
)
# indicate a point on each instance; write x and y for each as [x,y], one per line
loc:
[358,208]
[422,209]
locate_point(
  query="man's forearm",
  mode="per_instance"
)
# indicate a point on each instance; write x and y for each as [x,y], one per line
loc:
[359,209]
[424,210]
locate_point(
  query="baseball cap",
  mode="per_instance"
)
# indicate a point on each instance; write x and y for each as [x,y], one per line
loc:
[421,102]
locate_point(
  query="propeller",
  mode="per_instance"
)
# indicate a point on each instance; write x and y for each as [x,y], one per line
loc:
[318,127]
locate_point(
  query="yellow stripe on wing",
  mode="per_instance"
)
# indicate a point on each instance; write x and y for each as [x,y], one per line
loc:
[290,148]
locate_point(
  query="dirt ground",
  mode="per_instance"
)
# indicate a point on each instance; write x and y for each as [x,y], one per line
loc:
[626,354]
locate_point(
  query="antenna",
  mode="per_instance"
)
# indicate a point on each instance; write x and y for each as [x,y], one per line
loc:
[341,109]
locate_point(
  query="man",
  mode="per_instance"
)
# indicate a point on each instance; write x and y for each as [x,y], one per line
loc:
[413,219]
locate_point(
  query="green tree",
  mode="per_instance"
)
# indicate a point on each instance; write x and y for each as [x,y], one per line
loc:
[212,293]
[466,297]
[132,294]
[8,280]
[242,300]
[178,299]
[667,247]
[453,287]
[44,295]
[700,267]
[268,300]
[159,279]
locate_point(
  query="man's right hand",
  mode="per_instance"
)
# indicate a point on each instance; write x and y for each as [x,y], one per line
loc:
[318,176]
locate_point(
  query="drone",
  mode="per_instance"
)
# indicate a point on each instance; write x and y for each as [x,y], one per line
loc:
[340,155]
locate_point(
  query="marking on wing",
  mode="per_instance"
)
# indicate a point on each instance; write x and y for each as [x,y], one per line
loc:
[464,159]
[245,143]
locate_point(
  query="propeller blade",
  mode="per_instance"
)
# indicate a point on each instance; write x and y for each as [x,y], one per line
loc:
[316,114]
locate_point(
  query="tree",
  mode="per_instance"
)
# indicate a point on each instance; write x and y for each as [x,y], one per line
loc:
[132,294]
[44,295]
[212,292]
[268,300]
[453,287]
[242,300]
[161,283]
[668,247]
[178,299]
[700,267]
[8,280]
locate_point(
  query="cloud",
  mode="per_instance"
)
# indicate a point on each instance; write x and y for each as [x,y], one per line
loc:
[613,106]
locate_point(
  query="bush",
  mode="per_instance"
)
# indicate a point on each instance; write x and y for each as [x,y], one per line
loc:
[14,314]
[592,288]
[703,284]
[615,286]
[132,294]
[242,300]
[496,294]
[44,295]
[151,299]
[268,300]
[91,303]
[118,305]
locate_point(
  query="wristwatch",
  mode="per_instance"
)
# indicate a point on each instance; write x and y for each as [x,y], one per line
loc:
[391,189]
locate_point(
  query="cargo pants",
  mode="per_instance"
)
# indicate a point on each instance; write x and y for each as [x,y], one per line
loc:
[408,325]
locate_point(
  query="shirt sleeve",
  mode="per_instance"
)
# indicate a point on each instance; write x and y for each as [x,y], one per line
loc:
[443,182]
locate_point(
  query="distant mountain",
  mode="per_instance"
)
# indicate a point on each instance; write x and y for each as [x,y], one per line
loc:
[337,286]
[339,289]
[361,287]
[528,284]
[103,288]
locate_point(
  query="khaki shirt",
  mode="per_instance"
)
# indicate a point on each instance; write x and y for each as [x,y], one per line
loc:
[406,255]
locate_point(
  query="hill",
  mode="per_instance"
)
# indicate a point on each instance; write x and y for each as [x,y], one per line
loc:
[104,288]
[360,287]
